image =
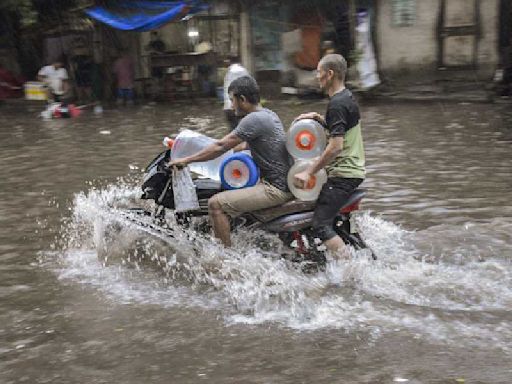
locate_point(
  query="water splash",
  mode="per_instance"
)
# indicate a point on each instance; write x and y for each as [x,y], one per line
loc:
[445,283]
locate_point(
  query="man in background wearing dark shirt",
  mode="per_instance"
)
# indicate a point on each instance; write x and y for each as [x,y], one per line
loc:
[156,45]
[343,158]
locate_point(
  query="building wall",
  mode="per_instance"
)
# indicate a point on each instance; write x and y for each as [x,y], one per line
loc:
[488,52]
[413,49]
[267,25]
[407,48]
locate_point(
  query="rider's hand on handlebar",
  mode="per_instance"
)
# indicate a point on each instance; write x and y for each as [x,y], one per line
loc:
[178,163]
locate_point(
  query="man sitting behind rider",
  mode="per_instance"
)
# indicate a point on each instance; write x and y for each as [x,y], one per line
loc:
[343,157]
[261,131]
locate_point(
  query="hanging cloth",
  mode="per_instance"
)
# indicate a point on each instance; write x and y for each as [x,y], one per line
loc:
[141,16]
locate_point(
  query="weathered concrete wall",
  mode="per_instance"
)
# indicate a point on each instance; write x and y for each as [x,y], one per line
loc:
[412,50]
[488,55]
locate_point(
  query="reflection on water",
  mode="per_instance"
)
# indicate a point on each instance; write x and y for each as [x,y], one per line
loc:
[89,295]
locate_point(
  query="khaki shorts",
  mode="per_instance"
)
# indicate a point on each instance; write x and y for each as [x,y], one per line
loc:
[261,196]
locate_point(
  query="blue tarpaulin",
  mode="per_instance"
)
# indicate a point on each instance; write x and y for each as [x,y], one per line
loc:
[140,15]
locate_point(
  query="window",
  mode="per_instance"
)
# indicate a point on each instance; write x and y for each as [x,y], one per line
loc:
[403,13]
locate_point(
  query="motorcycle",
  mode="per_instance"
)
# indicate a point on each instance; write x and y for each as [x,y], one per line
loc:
[291,222]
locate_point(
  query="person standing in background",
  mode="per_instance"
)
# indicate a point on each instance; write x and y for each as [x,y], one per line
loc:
[82,65]
[235,70]
[56,77]
[125,73]
[156,45]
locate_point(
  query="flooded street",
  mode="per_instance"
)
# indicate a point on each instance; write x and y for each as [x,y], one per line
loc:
[88,298]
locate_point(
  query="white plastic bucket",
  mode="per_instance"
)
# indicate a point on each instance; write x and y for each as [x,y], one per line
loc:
[239,171]
[306,139]
[311,192]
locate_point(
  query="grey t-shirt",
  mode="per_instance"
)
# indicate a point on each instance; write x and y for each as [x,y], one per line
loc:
[264,133]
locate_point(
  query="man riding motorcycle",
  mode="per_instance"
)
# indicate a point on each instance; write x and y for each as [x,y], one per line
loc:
[262,132]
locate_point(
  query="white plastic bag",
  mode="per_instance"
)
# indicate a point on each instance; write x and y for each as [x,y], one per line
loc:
[185,196]
[366,66]
[189,143]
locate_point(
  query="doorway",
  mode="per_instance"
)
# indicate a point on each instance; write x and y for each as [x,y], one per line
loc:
[458,34]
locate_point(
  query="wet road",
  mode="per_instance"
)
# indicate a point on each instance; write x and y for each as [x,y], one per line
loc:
[434,308]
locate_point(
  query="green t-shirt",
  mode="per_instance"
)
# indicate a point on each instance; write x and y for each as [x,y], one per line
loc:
[343,119]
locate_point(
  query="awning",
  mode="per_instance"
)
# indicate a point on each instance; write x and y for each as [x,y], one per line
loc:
[144,15]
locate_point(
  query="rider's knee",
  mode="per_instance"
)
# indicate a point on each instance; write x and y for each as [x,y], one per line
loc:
[214,204]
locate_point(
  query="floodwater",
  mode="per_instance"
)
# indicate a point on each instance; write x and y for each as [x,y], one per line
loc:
[87,297]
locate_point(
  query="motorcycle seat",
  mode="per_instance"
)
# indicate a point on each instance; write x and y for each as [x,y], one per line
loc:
[298,206]
[292,206]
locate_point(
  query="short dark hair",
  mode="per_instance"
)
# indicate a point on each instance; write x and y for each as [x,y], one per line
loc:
[336,63]
[245,86]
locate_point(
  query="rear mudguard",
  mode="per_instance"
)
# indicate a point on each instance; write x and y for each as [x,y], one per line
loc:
[288,226]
